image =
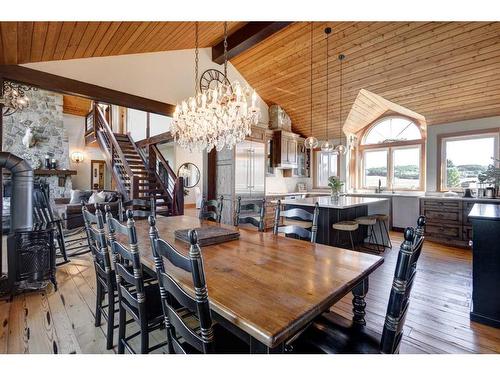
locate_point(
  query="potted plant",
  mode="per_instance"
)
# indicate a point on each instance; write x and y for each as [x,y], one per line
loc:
[335,185]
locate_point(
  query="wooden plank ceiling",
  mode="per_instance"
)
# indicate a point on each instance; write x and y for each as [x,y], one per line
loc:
[23,42]
[445,71]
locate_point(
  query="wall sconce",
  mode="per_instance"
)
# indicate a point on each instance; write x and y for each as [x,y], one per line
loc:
[77,157]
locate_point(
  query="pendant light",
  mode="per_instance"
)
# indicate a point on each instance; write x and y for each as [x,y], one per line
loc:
[311,142]
[341,149]
[327,146]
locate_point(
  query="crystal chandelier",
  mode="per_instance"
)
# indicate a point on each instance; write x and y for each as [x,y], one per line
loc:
[327,146]
[216,117]
[340,148]
[14,97]
[311,142]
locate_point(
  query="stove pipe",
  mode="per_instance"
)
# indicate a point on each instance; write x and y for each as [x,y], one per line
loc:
[21,205]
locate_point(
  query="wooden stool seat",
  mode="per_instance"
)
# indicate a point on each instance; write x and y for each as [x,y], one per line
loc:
[366,220]
[347,226]
[381,217]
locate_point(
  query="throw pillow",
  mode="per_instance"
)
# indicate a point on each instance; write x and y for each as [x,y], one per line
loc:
[97,198]
[77,196]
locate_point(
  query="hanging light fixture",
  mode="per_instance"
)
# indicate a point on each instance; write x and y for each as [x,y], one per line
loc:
[327,146]
[216,117]
[311,142]
[14,97]
[340,148]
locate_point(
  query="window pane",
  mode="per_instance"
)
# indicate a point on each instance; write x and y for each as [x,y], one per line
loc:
[406,162]
[327,166]
[466,159]
[375,168]
[392,129]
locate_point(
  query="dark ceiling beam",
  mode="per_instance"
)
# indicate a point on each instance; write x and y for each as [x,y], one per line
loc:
[245,38]
[63,85]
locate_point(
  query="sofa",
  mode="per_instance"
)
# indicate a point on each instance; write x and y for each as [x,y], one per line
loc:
[71,213]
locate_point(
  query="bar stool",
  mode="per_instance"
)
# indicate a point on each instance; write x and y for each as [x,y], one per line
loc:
[381,219]
[346,226]
[370,222]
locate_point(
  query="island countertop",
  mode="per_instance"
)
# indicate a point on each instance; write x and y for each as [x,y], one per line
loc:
[485,211]
[328,202]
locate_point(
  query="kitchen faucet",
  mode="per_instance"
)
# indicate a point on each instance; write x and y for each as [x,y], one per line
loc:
[379,189]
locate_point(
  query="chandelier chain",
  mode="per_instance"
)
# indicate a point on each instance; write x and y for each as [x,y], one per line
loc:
[341,58]
[196,57]
[327,86]
[225,49]
[311,114]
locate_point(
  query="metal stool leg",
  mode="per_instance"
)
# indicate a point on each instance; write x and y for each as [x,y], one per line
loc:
[387,233]
[375,239]
[352,242]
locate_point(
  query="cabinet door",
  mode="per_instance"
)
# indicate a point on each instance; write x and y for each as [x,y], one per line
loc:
[292,151]
[284,150]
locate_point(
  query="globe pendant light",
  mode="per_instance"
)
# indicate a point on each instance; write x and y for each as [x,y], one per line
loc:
[341,149]
[327,146]
[311,142]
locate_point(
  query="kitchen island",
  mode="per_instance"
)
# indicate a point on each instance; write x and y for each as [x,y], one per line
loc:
[332,211]
[485,263]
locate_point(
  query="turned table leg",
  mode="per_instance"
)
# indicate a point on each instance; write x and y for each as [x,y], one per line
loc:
[358,302]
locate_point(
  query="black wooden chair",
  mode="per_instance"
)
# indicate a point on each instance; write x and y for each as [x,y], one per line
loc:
[250,210]
[332,333]
[188,319]
[105,275]
[297,214]
[135,297]
[212,209]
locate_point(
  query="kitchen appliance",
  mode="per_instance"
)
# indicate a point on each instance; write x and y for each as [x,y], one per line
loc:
[490,192]
[467,193]
[250,169]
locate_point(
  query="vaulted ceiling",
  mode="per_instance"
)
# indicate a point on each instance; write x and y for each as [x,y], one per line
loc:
[23,42]
[446,71]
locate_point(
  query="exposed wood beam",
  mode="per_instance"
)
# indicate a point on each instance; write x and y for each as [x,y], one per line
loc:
[245,38]
[73,87]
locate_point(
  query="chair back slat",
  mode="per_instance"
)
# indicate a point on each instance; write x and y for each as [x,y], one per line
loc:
[172,294]
[212,209]
[297,214]
[127,262]
[399,299]
[253,207]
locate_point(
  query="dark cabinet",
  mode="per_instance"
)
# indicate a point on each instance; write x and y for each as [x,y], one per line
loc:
[285,149]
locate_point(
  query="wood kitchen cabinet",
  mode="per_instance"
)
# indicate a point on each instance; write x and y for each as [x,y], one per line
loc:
[285,149]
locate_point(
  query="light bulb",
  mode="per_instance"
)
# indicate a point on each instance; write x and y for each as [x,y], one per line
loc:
[311,142]
[341,149]
[327,146]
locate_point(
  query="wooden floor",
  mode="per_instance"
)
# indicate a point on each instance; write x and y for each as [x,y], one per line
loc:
[437,322]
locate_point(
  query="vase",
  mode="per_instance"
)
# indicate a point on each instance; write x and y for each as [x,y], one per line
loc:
[335,194]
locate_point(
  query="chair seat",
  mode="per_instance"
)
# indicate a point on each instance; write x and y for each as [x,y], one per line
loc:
[334,334]
[381,217]
[348,226]
[366,220]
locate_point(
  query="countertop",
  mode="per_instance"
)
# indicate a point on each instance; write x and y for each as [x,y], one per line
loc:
[275,194]
[459,198]
[328,202]
[485,211]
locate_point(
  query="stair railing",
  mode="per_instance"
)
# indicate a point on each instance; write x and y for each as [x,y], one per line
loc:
[113,151]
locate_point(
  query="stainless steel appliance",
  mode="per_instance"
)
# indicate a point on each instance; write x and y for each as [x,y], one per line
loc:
[250,169]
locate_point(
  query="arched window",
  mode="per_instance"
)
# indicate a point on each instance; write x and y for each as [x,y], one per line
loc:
[391,151]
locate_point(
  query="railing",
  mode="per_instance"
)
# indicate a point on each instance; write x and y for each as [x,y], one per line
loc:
[173,185]
[112,150]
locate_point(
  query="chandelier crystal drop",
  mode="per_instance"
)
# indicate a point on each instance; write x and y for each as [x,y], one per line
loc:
[217,117]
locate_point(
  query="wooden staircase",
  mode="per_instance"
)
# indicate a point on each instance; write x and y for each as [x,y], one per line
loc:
[135,176]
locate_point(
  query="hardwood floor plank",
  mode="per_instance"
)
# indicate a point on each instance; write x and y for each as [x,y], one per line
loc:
[4,326]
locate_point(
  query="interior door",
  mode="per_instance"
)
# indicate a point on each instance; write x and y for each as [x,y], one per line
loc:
[242,169]
[258,169]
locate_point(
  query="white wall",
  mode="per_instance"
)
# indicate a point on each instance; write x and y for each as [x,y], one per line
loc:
[75,128]
[453,127]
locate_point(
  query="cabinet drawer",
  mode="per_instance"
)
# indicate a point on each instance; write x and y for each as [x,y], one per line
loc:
[442,215]
[444,231]
[445,203]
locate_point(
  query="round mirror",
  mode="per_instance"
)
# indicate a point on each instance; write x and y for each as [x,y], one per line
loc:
[190,173]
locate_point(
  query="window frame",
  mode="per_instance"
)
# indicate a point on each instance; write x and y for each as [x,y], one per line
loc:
[316,158]
[390,146]
[441,150]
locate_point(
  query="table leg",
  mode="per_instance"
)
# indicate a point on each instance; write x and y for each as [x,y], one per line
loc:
[256,347]
[358,302]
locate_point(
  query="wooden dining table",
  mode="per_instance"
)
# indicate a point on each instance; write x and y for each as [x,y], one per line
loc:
[266,288]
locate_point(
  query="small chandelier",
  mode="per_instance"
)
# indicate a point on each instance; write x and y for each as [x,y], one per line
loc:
[14,97]
[216,117]
[341,148]
[311,142]
[327,146]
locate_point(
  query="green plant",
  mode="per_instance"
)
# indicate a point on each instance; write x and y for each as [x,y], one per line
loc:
[335,184]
